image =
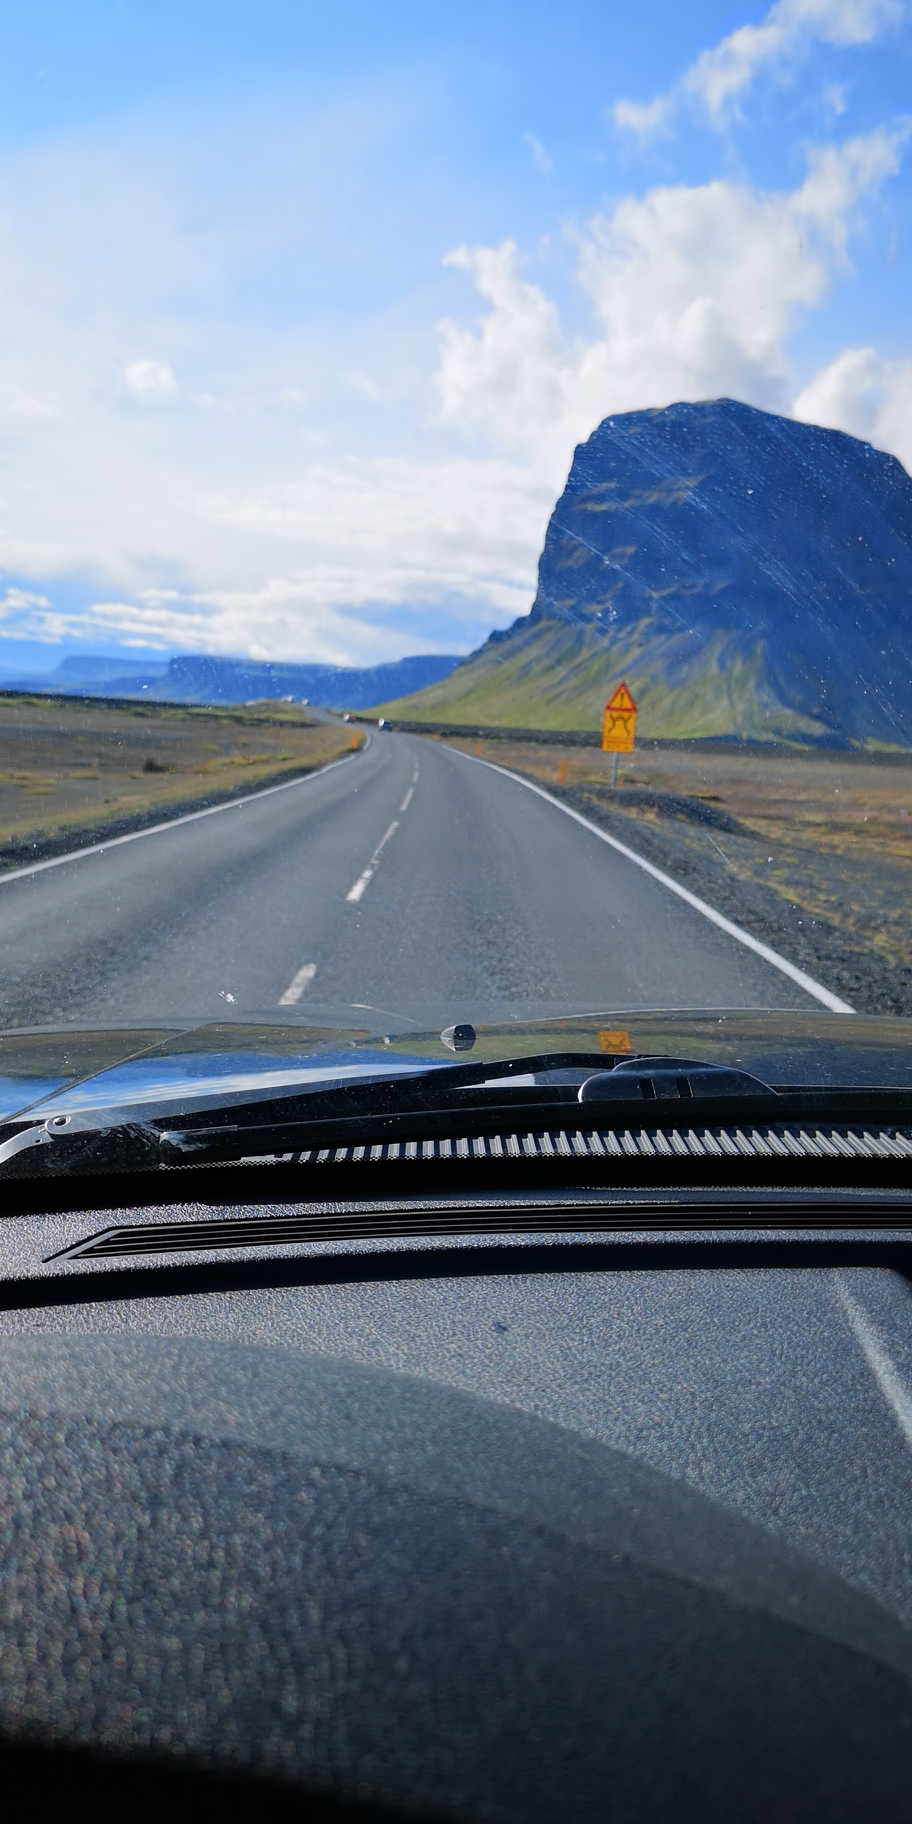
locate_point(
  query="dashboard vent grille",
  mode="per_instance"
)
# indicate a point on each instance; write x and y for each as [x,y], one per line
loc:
[779,1145]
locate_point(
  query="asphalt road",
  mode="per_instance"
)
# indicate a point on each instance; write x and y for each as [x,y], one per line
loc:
[407,880]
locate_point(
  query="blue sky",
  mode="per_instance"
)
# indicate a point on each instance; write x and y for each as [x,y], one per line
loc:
[303,307]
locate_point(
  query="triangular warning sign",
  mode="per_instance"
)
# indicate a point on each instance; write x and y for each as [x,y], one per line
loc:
[621,699]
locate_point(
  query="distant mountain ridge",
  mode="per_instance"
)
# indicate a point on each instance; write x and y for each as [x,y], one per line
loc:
[750,576]
[200,678]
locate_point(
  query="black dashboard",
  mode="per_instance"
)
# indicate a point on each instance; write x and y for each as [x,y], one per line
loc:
[587,1505]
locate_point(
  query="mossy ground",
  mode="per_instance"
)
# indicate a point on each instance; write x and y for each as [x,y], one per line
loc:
[71,766]
[552,675]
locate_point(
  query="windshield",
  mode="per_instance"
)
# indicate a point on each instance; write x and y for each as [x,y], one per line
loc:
[456,540]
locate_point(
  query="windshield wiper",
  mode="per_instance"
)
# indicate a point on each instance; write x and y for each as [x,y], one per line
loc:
[133,1137]
[481,1099]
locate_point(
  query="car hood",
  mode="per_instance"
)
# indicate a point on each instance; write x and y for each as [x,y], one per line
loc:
[207,1065]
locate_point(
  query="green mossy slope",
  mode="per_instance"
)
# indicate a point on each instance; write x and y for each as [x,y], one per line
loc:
[549,674]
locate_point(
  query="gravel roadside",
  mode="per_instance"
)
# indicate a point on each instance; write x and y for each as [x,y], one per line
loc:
[717,865]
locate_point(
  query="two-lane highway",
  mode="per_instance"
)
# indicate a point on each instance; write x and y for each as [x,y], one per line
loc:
[408,879]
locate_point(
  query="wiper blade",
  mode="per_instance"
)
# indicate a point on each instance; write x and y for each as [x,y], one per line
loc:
[441,1104]
[101,1139]
[530,1084]
[487,1102]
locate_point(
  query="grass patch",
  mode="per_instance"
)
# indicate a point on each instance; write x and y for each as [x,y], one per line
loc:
[97,766]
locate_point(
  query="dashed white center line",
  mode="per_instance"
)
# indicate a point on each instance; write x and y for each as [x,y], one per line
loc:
[297,985]
[365,879]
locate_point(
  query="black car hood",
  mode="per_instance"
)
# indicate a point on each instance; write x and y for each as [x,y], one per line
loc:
[83,1068]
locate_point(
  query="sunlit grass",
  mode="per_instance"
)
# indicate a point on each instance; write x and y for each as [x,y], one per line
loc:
[95,763]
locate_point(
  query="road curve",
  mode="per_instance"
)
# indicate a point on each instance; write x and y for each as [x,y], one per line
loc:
[407,880]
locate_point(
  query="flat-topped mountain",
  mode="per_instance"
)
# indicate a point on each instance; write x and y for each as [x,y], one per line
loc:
[205,678]
[749,576]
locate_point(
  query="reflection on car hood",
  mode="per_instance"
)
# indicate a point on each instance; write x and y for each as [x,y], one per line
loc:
[46,1071]
[198,1078]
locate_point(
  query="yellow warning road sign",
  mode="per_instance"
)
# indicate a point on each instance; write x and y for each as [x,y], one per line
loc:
[614,1041]
[619,723]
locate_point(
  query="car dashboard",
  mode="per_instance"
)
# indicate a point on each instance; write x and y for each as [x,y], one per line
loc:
[588,1502]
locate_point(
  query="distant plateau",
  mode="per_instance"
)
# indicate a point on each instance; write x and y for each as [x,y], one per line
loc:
[200,678]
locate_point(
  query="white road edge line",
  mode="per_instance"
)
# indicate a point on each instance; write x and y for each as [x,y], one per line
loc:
[881,1364]
[297,985]
[155,829]
[806,982]
[365,879]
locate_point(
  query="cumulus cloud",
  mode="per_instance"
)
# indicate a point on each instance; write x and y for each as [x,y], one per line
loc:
[15,603]
[339,559]
[865,395]
[358,538]
[150,380]
[721,77]
[512,378]
[263,623]
[694,291]
[243,527]
[391,530]
[645,119]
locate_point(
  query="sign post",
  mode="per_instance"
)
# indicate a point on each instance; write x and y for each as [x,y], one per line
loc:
[618,727]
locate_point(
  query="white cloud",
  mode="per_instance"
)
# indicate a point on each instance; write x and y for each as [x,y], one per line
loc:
[645,119]
[391,530]
[263,623]
[269,521]
[720,78]
[834,95]
[867,396]
[544,163]
[357,537]
[262,543]
[694,291]
[19,601]
[366,386]
[511,379]
[150,380]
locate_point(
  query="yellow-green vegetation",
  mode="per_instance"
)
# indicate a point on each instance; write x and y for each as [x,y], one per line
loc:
[829,832]
[67,764]
[554,675]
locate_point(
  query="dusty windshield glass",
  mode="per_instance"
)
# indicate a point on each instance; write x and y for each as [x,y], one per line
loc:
[456,532]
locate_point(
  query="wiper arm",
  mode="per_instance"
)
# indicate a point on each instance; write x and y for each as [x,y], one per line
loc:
[440,1104]
[481,1103]
[97,1140]
[70,1145]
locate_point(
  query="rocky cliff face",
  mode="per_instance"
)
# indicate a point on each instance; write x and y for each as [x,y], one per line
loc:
[750,576]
